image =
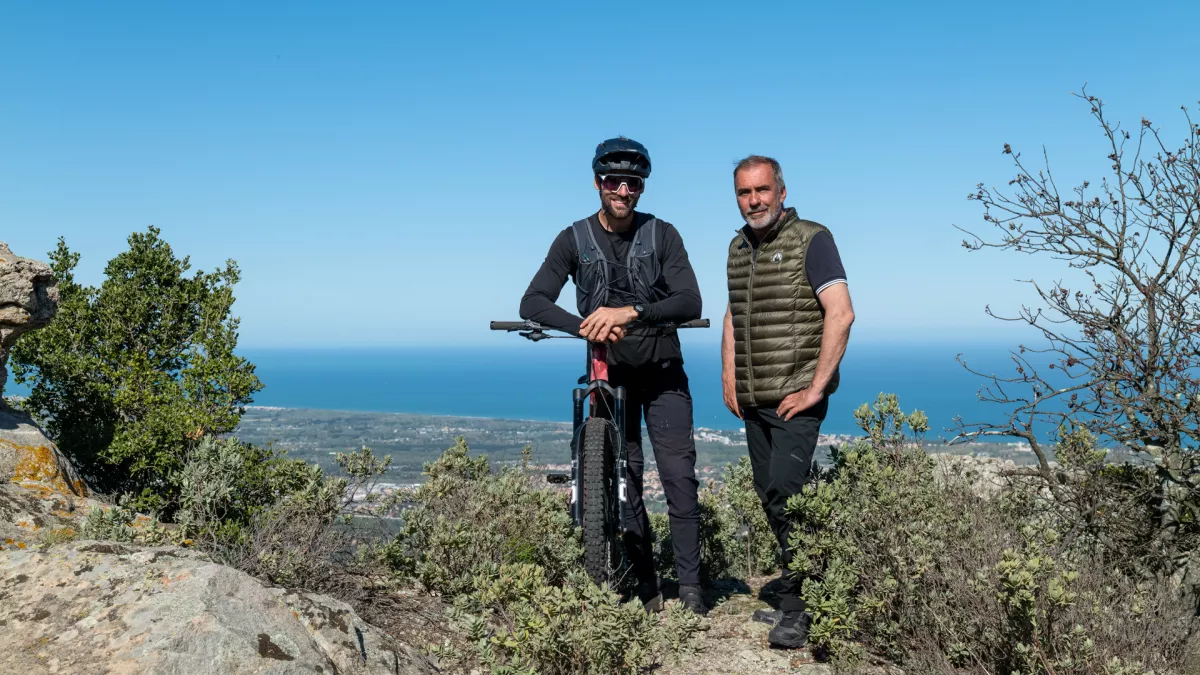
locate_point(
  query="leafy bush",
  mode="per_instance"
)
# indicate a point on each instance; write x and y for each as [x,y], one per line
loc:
[515,621]
[120,522]
[129,374]
[507,554]
[225,485]
[465,518]
[287,521]
[929,573]
[735,537]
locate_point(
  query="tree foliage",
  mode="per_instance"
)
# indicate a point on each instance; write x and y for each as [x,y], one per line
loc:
[130,374]
[1120,351]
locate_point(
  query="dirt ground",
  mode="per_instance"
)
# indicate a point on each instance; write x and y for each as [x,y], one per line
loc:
[736,644]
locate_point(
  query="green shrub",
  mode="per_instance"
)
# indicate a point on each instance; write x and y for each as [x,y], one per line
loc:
[120,522]
[129,374]
[516,621]
[735,538]
[922,569]
[465,518]
[506,552]
[114,523]
[225,485]
[302,532]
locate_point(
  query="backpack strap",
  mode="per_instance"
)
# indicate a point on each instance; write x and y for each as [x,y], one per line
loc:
[585,242]
[646,240]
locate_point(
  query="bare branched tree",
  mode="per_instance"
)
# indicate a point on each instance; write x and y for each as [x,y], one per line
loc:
[1120,354]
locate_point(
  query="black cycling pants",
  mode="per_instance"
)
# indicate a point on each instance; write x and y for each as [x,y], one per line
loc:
[781,455]
[659,392]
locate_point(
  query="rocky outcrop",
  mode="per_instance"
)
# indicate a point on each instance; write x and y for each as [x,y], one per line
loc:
[31,460]
[28,300]
[103,607]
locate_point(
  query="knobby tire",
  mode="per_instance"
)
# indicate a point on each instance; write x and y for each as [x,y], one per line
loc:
[596,499]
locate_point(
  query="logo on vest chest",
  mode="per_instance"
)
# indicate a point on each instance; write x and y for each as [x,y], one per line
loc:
[777,258]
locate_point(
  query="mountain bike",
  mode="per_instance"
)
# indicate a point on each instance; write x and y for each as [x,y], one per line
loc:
[598,478]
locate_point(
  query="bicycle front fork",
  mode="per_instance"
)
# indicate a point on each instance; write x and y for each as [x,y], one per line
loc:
[621,463]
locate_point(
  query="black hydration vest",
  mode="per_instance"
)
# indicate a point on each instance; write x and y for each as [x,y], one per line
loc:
[642,263]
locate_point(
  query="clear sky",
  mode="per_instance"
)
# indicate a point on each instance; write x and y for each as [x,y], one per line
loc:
[392,173]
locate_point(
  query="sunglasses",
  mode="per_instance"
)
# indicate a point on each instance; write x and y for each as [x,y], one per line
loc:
[632,183]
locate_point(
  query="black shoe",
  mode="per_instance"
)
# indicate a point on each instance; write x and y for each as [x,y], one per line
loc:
[791,632]
[767,615]
[690,597]
[648,593]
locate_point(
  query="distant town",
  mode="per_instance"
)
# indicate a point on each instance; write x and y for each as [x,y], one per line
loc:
[412,440]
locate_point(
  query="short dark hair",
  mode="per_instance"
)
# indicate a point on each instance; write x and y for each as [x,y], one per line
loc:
[759,160]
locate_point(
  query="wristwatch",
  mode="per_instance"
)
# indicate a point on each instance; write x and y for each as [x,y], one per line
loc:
[639,309]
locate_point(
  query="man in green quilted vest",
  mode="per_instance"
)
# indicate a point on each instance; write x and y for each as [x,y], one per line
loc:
[786,329]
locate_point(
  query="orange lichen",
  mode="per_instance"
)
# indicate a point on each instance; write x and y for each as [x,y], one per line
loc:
[38,464]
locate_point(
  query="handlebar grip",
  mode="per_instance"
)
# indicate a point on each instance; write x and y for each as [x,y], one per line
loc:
[510,325]
[694,323]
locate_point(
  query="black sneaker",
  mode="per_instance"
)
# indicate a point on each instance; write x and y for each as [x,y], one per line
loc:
[791,632]
[648,593]
[690,597]
[767,615]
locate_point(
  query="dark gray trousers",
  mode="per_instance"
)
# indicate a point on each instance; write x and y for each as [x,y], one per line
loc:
[781,455]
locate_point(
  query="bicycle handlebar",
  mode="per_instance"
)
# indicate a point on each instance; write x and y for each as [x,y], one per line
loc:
[515,325]
[537,327]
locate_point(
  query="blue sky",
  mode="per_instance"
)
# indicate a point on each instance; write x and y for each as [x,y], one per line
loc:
[392,173]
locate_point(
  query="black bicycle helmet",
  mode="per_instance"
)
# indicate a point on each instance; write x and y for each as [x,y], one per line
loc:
[622,156]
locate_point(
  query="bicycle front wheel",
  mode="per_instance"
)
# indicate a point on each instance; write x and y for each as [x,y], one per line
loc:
[597,498]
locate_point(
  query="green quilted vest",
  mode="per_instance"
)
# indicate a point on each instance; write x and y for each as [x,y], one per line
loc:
[777,321]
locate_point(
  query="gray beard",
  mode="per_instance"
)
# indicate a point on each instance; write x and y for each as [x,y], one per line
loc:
[767,223]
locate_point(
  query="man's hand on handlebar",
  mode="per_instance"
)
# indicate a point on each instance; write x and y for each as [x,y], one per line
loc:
[607,324]
[535,331]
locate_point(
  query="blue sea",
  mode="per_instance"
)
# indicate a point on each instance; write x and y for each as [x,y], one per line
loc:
[521,380]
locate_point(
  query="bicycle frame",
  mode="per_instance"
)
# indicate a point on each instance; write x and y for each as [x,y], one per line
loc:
[599,391]
[598,386]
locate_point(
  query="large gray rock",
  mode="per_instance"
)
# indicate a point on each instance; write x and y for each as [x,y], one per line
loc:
[104,607]
[28,300]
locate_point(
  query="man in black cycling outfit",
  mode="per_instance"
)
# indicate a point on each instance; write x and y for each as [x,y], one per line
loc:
[629,266]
